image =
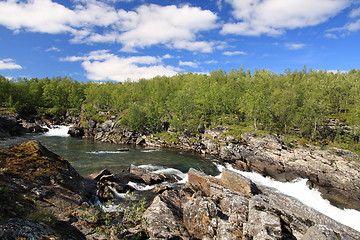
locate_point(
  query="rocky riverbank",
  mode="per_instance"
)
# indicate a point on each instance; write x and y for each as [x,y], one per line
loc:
[43,197]
[334,172]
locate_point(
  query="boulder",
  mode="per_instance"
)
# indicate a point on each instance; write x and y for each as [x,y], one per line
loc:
[76,132]
[149,178]
[200,218]
[17,228]
[161,221]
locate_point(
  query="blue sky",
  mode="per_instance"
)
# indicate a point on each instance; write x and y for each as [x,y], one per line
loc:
[125,40]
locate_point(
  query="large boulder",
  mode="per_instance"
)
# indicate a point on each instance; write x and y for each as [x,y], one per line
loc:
[38,184]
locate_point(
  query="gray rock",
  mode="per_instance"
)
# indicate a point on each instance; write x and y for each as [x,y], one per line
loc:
[161,221]
[200,218]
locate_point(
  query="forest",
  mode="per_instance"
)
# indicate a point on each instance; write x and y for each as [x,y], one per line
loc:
[297,103]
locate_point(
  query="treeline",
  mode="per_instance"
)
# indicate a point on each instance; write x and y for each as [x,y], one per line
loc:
[296,102]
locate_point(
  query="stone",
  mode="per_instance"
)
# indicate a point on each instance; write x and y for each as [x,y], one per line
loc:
[320,232]
[16,228]
[161,221]
[238,183]
[141,174]
[76,132]
[200,218]
[199,181]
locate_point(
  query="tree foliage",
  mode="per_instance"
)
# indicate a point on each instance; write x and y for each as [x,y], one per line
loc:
[297,102]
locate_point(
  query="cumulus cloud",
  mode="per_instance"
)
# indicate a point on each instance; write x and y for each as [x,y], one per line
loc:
[46,16]
[189,64]
[8,63]
[171,25]
[274,17]
[102,65]
[228,53]
[95,21]
[294,46]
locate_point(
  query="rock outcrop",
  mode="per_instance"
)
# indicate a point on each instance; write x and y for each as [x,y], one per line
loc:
[206,208]
[10,127]
[333,173]
[38,191]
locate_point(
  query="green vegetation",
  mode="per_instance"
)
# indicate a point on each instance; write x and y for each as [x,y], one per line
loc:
[298,103]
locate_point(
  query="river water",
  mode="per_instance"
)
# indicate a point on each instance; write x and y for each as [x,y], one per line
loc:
[87,156]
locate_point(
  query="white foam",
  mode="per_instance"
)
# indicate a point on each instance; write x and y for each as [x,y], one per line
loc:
[106,152]
[58,131]
[151,150]
[310,197]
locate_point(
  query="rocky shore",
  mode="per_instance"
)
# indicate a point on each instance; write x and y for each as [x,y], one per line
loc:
[43,197]
[334,172]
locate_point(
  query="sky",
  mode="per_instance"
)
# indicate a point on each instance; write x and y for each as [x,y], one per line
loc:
[127,40]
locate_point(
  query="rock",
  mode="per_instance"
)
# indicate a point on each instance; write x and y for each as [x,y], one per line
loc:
[141,140]
[76,132]
[161,221]
[261,224]
[320,232]
[98,175]
[16,228]
[238,183]
[334,175]
[123,149]
[141,174]
[199,181]
[42,186]
[9,127]
[160,188]
[200,218]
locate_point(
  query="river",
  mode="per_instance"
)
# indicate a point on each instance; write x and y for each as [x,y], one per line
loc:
[87,156]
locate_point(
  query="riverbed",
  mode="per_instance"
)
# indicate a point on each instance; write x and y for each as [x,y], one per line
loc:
[87,156]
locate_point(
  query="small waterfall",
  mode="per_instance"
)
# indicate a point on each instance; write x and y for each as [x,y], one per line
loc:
[58,131]
[310,197]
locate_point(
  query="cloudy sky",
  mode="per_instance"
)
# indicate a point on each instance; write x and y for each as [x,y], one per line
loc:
[122,40]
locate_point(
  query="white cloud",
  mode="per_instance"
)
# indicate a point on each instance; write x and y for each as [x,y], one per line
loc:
[330,35]
[189,64]
[9,63]
[353,26]
[95,21]
[53,49]
[102,65]
[171,25]
[167,56]
[211,62]
[294,46]
[355,13]
[274,17]
[234,53]
[50,17]
[336,71]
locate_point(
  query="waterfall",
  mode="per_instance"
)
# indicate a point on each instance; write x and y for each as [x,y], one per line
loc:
[58,131]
